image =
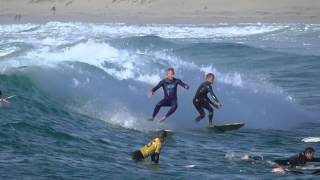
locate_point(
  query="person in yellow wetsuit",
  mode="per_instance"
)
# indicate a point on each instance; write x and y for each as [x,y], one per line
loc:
[152,149]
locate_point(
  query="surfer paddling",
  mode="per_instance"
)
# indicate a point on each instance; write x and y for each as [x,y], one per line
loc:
[308,155]
[152,149]
[202,101]
[170,87]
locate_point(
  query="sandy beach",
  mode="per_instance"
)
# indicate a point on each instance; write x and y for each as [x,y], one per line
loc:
[161,11]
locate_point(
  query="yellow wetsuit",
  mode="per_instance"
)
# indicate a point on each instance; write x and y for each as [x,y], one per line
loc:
[151,148]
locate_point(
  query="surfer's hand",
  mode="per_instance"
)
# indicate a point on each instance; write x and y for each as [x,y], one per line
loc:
[279,170]
[150,94]
[187,87]
[219,104]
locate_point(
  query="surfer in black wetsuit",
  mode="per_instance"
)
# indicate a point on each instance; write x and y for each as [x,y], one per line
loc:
[201,100]
[169,86]
[308,155]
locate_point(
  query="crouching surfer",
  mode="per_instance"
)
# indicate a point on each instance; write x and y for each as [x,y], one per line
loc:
[201,100]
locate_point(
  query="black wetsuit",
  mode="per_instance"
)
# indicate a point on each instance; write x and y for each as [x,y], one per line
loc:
[170,95]
[296,160]
[201,101]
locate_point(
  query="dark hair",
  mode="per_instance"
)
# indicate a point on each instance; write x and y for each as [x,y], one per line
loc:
[309,150]
[163,134]
[210,75]
[171,69]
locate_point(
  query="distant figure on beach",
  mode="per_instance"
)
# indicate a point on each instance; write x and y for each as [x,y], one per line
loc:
[17,18]
[53,9]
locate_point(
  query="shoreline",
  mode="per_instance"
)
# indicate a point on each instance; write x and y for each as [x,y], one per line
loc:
[160,11]
[5,20]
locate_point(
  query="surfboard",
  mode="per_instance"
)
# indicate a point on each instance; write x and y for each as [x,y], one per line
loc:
[310,168]
[311,140]
[227,127]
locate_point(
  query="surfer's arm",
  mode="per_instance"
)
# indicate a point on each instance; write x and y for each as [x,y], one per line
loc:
[156,155]
[280,170]
[213,95]
[282,162]
[182,84]
[157,87]
[212,103]
[217,104]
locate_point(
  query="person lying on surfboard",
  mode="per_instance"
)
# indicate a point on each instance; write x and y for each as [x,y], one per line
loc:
[152,149]
[308,155]
[201,100]
[170,87]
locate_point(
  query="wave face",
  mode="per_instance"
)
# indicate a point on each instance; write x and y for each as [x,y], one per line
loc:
[83,86]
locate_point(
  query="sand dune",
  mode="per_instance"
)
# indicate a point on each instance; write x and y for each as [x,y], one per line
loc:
[161,11]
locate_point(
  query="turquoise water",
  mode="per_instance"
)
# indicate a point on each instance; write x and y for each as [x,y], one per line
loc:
[82,103]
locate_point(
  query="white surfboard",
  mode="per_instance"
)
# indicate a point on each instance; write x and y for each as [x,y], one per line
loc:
[311,140]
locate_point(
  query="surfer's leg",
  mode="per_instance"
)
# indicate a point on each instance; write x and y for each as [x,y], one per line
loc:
[137,156]
[199,108]
[210,110]
[156,110]
[174,106]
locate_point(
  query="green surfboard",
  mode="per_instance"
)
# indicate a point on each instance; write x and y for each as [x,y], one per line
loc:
[226,127]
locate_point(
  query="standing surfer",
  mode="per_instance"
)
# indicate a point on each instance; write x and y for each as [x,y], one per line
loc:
[201,100]
[169,86]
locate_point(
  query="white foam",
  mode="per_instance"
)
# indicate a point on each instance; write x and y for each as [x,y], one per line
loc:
[161,30]
[190,166]
[4,51]
[125,64]
[118,115]
[16,28]
[311,139]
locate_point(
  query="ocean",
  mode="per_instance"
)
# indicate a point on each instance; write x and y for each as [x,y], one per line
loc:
[82,104]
